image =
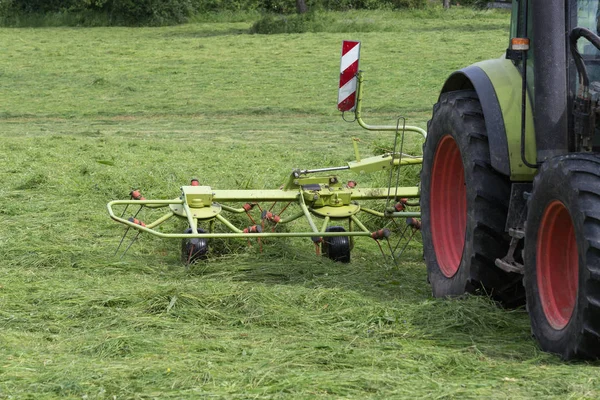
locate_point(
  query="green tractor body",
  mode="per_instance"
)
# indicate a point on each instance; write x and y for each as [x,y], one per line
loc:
[511,176]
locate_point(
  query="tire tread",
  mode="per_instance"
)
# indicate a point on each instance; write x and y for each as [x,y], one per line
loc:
[576,176]
[489,204]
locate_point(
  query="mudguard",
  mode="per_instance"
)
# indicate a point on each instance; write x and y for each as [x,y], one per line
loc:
[498,86]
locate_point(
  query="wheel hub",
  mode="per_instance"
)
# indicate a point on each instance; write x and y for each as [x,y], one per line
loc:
[448,202]
[557,265]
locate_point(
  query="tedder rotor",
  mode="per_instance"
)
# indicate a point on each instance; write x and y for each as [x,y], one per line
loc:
[330,209]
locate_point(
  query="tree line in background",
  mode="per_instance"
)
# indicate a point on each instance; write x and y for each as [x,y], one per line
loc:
[163,12]
[160,12]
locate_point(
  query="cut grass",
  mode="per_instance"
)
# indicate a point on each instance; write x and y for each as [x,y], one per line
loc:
[207,101]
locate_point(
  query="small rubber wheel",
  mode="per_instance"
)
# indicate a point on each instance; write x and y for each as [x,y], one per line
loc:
[562,256]
[194,249]
[337,248]
[464,204]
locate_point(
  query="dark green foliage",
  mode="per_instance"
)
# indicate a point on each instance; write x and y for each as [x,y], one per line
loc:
[268,6]
[116,12]
[153,12]
[479,4]
[37,6]
[49,6]
[342,5]
[293,23]
[164,12]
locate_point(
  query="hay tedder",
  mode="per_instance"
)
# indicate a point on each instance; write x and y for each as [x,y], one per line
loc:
[331,210]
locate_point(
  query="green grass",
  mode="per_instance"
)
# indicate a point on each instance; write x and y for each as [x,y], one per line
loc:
[87,114]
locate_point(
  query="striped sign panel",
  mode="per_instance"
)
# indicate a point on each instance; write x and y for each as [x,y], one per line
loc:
[348,71]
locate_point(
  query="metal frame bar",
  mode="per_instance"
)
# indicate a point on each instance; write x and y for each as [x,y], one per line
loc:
[259,195]
[379,128]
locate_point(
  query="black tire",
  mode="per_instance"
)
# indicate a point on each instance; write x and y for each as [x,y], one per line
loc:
[562,256]
[194,249]
[464,205]
[337,248]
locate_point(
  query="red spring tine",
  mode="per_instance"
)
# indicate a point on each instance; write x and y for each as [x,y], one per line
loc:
[285,208]
[381,234]
[269,216]
[414,223]
[136,221]
[272,205]
[137,195]
[253,229]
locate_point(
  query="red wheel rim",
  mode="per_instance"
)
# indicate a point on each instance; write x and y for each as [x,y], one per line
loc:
[557,265]
[448,206]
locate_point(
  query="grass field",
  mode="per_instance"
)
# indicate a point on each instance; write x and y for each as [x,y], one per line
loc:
[87,114]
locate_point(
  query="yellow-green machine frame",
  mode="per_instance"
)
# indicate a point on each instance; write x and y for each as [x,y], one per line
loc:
[319,194]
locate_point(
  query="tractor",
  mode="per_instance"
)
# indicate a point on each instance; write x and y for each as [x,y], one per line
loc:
[510,182]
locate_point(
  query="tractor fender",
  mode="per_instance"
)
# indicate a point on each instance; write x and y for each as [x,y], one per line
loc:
[498,85]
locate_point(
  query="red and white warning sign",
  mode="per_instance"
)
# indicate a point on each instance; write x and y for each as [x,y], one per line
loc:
[348,71]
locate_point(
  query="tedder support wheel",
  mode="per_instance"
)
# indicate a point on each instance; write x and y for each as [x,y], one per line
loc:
[562,256]
[194,249]
[464,205]
[336,248]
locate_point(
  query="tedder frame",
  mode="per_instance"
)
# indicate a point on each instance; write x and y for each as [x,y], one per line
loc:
[316,193]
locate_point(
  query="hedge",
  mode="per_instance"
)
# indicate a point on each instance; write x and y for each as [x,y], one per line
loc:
[160,12]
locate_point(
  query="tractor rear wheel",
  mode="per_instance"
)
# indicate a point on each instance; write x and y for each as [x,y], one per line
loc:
[464,204]
[562,256]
